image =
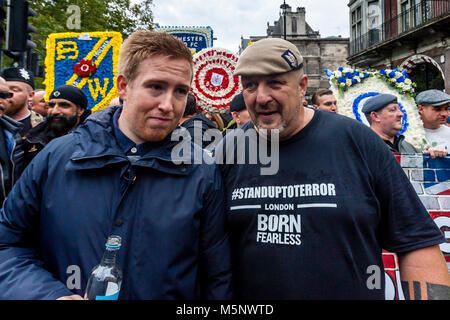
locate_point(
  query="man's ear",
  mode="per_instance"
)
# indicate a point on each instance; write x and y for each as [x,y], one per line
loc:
[303,84]
[79,112]
[235,116]
[420,109]
[375,116]
[122,86]
[30,96]
[315,106]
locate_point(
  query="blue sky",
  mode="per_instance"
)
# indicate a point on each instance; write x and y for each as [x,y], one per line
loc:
[231,19]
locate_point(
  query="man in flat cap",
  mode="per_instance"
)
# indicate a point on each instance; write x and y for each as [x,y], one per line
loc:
[239,110]
[21,82]
[66,110]
[434,109]
[314,228]
[385,118]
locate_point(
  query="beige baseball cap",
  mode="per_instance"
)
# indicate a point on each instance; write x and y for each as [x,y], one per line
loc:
[269,56]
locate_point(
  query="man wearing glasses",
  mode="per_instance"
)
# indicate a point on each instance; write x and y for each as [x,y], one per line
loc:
[11,154]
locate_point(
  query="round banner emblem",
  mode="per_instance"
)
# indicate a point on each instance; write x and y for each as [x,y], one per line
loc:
[214,83]
[85,68]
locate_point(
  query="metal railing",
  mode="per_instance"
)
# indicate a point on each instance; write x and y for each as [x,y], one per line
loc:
[410,19]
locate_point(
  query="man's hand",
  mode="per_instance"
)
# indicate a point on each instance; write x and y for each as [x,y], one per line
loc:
[436,153]
[72,297]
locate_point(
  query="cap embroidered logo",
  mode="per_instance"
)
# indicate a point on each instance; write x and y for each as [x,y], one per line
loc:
[290,58]
[24,74]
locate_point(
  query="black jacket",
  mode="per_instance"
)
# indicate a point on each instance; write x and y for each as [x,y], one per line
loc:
[11,154]
[401,145]
[38,137]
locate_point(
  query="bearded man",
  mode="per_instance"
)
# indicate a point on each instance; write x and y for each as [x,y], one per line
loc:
[286,237]
[66,110]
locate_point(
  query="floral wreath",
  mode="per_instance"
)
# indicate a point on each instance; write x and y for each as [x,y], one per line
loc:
[352,87]
[344,78]
[85,60]
[214,83]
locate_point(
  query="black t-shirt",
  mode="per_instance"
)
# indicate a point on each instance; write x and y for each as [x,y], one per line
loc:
[316,228]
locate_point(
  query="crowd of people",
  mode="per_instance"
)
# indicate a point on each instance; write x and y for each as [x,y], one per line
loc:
[212,230]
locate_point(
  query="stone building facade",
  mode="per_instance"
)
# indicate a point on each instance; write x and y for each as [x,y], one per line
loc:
[409,34]
[318,53]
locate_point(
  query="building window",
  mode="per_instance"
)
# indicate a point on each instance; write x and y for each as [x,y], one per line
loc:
[294,24]
[426,10]
[405,15]
[356,29]
[373,22]
[414,12]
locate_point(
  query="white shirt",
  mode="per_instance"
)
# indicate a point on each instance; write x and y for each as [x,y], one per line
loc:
[439,138]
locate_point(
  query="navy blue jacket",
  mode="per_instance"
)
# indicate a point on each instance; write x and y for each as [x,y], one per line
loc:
[81,188]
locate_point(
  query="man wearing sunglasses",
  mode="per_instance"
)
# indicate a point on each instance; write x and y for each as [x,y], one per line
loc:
[20,81]
[5,96]
[11,154]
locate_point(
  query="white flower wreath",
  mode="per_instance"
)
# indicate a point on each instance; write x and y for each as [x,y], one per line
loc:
[352,94]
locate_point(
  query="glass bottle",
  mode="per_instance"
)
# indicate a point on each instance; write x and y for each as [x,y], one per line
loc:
[106,278]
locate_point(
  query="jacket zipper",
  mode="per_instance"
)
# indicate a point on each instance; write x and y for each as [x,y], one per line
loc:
[12,170]
[12,162]
[3,182]
[122,197]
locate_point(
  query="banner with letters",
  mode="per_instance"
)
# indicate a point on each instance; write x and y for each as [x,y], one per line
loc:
[195,38]
[86,60]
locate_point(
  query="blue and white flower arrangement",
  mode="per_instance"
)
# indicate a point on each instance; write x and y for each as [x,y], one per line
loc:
[344,78]
[398,80]
[353,86]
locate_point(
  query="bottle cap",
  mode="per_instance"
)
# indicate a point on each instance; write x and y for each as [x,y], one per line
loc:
[114,242]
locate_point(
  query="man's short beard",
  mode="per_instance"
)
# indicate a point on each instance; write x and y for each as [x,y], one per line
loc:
[64,125]
[267,133]
[11,109]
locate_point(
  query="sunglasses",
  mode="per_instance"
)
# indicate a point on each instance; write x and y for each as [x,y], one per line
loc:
[6,94]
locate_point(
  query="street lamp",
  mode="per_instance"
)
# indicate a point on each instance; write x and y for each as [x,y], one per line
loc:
[284,7]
